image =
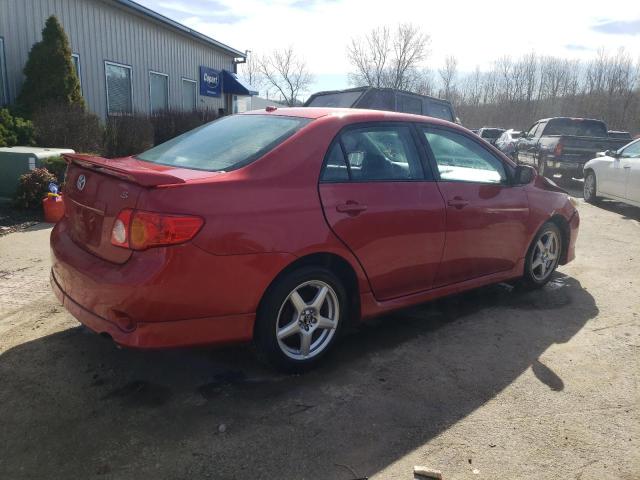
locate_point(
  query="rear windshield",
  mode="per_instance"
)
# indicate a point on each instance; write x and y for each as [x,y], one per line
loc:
[342,99]
[225,144]
[576,126]
[491,132]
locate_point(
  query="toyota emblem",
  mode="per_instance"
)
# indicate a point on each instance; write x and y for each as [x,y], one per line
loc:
[81,182]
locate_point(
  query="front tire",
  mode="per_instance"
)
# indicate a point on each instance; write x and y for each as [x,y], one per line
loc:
[300,318]
[542,257]
[590,188]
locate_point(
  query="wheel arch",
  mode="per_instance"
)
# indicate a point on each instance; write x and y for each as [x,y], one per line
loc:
[565,230]
[337,265]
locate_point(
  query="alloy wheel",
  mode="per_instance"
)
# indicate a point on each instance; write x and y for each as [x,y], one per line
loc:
[546,255]
[589,187]
[307,320]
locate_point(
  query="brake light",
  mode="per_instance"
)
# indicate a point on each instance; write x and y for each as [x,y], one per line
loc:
[139,230]
[558,150]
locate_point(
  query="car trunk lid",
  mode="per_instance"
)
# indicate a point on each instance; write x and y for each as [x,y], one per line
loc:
[97,189]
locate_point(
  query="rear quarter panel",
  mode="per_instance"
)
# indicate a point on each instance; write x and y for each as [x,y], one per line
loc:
[270,206]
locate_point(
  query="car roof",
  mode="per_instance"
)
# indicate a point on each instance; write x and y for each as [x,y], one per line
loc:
[353,114]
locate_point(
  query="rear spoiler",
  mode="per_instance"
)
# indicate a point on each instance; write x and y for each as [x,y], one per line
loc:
[125,168]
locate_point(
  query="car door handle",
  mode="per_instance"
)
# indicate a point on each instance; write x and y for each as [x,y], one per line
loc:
[626,167]
[351,207]
[458,203]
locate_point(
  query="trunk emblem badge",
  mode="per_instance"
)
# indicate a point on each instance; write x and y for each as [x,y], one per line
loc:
[124,195]
[81,182]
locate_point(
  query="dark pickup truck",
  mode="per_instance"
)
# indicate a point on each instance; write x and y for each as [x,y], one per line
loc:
[562,145]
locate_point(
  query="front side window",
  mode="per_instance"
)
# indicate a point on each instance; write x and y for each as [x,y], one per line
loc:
[632,151]
[3,76]
[188,94]
[75,59]
[119,96]
[159,91]
[225,144]
[385,153]
[460,159]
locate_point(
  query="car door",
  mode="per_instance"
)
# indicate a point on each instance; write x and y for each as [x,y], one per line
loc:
[486,215]
[379,201]
[610,176]
[630,160]
[526,145]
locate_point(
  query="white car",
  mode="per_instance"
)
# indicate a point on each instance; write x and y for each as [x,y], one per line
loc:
[614,175]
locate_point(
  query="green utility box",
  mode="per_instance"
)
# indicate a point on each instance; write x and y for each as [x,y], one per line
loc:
[16,161]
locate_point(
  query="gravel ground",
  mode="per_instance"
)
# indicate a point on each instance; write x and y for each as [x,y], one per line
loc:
[493,384]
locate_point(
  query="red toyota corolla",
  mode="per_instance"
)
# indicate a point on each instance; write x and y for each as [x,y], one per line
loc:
[281,226]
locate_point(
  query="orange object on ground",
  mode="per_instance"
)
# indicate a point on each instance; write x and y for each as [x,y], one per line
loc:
[53,208]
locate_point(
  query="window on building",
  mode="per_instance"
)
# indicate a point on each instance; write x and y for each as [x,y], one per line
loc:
[159,91]
[119,94]
[75,58]
[4,95]
[189,93]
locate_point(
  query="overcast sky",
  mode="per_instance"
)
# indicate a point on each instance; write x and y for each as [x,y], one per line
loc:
[476,32]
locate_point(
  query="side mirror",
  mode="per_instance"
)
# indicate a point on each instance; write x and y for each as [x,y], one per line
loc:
[612,154]
[524,175]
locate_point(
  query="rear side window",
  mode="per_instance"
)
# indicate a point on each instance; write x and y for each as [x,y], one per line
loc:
[378,100]
[438,110]
[225,144]
[409,104]
[460,159]
[373,154]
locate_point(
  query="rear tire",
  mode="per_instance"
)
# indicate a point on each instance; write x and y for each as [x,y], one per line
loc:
[590,188]
[542,257]
[300,318]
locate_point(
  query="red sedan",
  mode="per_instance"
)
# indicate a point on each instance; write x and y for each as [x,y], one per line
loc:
[281,226]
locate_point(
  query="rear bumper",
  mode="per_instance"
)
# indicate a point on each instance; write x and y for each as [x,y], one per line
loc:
[573,168]
[574,224]
[162,297]
[151,335]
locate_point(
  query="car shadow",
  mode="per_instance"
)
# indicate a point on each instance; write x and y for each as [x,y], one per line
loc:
[74,406]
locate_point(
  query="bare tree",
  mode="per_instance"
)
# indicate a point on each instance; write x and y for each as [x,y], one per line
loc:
[448,76]
[287,74]
[390,59]
[251,72]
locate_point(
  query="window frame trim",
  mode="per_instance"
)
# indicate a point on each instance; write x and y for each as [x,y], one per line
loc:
[508,168]
[5,74]
[195,92]
[427,173]
[79,72]
[161,74]
[106,85]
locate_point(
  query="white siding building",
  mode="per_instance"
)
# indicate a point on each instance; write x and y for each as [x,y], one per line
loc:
[128,57]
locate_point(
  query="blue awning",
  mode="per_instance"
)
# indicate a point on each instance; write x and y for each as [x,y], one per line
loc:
[232,84]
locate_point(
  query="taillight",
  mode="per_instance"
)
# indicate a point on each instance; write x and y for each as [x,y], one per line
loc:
[558,150]
[139,230]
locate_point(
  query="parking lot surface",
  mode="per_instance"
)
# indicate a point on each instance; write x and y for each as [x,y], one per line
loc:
[495,383]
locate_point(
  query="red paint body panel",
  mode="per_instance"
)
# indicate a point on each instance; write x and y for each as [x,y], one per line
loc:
[399,238]
[407,247]
[486,235]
